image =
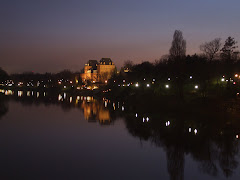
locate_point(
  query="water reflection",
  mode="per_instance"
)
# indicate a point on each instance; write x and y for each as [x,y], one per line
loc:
[215,146]
[94,110]
[3,105]
[209,138]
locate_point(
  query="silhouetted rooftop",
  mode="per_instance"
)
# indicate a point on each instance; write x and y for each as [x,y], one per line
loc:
[93,63]
[106,61]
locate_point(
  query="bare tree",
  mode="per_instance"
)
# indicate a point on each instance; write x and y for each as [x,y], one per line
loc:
[178,48]
[211,48]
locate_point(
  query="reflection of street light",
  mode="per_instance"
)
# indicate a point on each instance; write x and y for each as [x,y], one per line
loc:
[167,123]
[147,119]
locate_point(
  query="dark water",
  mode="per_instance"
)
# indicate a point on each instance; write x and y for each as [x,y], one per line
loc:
[62,137]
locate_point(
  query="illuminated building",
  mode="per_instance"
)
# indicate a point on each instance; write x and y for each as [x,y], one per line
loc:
[95,71]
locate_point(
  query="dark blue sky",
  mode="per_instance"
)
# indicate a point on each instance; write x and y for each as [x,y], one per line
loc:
[51,35]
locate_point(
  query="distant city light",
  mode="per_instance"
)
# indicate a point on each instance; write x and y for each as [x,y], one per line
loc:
[190,77]
[196,86]
[143,119]
[195,131]
[136,84]
[169,79]
[124,80]
[189,129]
[148,85]
[153,80]
[236,75]
[237,136]
[106,81]
[167,86]
[222,79]
[136,115]
[147,119]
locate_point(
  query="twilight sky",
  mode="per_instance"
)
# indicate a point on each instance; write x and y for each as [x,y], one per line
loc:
[52,35]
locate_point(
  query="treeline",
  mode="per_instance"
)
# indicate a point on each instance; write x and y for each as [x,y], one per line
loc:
[216,63]
[31,79]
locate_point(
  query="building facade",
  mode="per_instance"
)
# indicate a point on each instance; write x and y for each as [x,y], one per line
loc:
[95,71]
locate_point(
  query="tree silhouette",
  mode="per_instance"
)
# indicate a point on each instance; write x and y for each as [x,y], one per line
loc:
[211,48]
[178,48]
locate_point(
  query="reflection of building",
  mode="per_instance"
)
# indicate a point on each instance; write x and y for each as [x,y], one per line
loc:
[104,115]
[95,111]
[98,72]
